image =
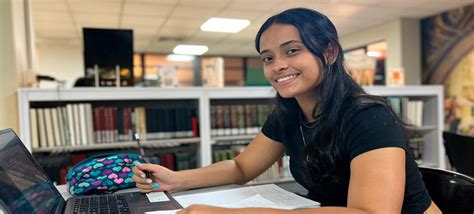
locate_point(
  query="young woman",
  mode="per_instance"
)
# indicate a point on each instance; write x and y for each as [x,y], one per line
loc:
[346,147]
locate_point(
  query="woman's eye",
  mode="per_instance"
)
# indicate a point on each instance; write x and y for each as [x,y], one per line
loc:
[292,50]
[266,59]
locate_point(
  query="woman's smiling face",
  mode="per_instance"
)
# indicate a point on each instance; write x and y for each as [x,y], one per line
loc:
[288,65]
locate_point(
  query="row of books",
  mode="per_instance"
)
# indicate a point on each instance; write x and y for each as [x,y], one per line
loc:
[238,119]
[175,161]
[84,124]
[410,111]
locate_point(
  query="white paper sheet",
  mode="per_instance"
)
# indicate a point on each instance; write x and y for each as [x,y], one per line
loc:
[163,212]
[254,201]
[157,197]
[271,192]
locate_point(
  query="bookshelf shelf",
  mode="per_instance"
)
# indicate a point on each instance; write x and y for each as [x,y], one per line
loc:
[120,145]
[204,98]
[232,138]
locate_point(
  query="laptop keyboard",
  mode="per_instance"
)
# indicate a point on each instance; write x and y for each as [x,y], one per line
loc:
[101,204]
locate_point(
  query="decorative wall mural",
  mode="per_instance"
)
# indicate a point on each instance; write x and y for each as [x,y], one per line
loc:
[448,59]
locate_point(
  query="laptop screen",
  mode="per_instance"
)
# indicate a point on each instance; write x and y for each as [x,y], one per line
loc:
[24,186]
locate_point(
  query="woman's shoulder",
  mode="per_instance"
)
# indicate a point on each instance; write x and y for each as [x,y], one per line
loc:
[373,111]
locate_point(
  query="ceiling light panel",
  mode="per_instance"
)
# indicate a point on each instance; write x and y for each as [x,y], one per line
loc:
[225,25]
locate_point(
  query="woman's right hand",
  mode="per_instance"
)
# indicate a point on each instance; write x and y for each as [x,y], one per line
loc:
[166,179]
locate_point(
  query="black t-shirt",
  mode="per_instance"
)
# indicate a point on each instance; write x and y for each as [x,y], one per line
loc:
[370,128]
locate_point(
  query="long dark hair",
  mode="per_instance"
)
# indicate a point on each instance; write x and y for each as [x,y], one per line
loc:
[338,96]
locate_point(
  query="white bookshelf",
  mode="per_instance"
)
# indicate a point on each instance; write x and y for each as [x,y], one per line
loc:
[432,97]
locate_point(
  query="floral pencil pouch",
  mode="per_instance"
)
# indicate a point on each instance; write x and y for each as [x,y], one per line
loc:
[102,174]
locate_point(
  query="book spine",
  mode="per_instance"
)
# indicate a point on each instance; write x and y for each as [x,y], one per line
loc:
[234,120]
[90,124]
[213,112]
[34,129]
[241,119]
[55,122]
[49,127]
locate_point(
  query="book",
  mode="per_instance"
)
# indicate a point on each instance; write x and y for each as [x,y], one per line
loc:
[34,129]
[71,125]
[55,120]
[212,72]
[83,123]
[49,127]
[61,122]
[77,124]
[89,124]
[168,75]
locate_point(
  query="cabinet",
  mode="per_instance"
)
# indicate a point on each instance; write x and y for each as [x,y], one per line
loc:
[202,99]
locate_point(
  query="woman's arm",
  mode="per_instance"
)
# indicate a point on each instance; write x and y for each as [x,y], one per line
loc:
[377,185]
[259,155]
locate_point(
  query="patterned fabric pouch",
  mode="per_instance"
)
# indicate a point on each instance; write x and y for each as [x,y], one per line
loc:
[102,174]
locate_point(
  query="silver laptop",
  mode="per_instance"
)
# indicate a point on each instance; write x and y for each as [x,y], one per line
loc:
[25,188]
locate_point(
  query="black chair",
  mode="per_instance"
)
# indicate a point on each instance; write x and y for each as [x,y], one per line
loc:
[451,191]
[460,150]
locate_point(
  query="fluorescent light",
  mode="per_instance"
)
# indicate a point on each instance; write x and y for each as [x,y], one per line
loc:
[374,53]
[190,49]
[225,25]
[180,58]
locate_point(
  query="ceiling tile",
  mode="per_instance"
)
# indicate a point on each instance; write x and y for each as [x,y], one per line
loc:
[133,21]
[258,5]
[97,7]
[96,20]
[144,31]
[359,2]
[215,4]
[240,14]
[43,16]
[184,23]
[400,3]
[316,5]
[162,47]
[193,12]
[209,36]
[56,34]
[176,32]
[59,5]
[53,26]
[167,2]
[149,9]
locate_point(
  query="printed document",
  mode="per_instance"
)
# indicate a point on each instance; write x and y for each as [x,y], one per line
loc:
[269,195]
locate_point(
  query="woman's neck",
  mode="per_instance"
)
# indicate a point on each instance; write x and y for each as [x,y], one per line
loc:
[307,104]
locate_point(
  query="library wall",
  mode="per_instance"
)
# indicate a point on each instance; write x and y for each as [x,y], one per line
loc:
[13,61]
[449,60]
[61,61]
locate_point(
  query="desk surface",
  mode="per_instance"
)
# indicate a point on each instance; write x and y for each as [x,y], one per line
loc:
[291,186]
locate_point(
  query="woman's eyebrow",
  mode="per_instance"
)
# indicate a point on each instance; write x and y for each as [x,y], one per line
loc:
[282,45]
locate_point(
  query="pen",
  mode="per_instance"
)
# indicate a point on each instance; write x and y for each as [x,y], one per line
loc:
[142,153]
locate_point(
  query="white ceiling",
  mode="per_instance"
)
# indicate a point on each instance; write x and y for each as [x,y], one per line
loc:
[158,24]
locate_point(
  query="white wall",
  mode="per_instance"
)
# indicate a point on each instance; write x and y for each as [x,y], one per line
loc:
[403,45]
[13,60]
[61,61]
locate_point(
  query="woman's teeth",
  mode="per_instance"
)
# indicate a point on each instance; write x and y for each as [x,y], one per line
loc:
[287,78]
